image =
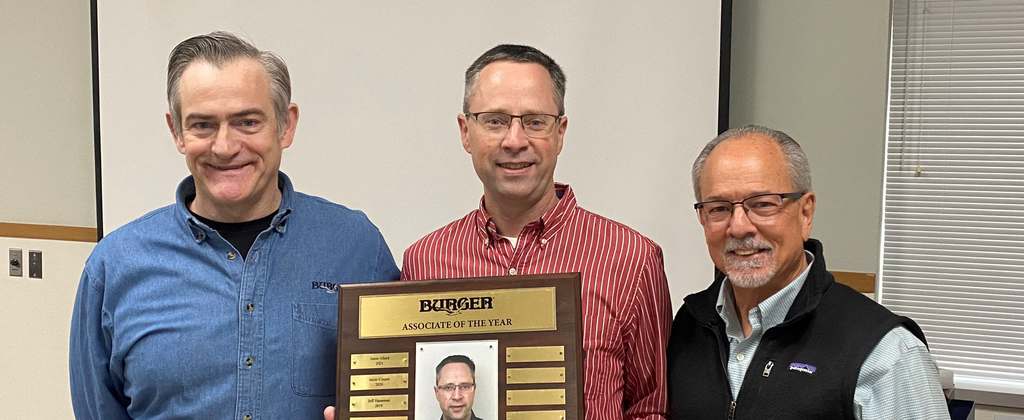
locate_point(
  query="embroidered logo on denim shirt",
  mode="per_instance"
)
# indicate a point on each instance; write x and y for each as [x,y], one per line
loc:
[802,368]
[326,286]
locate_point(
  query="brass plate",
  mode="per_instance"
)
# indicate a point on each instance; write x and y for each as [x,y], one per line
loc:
[535,415]
[535,354]
[380,360]
[535,397]
[380,418]
[378,403]
[387,381]
[551,375]
[464,312]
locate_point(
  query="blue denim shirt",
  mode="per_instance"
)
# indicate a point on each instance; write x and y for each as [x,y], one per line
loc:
[171,323]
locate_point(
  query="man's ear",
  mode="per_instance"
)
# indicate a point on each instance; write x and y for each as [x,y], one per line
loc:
[563,124]
[464,132]
[807,214]
[288,135]
[179,142]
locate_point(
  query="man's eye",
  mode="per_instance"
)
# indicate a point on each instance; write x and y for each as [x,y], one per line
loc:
[249,123]
[717,209]
[494,122]
[762,205]
[201,126]
[535,124]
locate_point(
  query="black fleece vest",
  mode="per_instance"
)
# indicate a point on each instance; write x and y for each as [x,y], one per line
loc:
[804,368]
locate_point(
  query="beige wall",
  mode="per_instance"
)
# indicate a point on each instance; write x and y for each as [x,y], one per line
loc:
[34,330]
[46,158]
[817,70]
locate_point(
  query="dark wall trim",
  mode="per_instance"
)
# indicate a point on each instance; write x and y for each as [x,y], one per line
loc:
[96,119]
[724,68]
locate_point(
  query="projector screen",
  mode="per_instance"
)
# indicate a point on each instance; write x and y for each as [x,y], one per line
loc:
[379,85]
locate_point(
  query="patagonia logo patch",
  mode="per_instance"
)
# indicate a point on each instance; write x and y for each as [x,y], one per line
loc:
[326,286]
[802,368]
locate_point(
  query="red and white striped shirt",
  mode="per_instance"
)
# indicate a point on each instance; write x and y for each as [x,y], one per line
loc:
[627,313]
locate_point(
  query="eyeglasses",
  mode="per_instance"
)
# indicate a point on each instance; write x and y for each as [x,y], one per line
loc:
[450,388]
[759,208]
[536,126]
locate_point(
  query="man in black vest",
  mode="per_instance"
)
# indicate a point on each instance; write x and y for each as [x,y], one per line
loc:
[775,337]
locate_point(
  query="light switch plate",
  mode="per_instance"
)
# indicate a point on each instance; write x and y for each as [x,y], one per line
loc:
[16,261]
[35,264]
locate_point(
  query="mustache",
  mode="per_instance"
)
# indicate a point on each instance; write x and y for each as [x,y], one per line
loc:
[733,244]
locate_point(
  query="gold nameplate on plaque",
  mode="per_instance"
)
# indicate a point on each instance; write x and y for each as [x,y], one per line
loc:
[388,381]
[535,397]
[457,312]
[552,375]
[535,354]
[380,360]
[381,418]
[378,403]
[534,415]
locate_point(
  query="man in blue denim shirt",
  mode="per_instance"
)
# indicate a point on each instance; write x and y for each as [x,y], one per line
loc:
[222,305]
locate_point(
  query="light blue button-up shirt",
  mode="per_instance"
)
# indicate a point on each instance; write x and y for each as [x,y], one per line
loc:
[898,380]
[171,323]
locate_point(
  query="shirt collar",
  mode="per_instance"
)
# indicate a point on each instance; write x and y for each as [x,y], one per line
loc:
[186,191]
[772,310]
[548,223]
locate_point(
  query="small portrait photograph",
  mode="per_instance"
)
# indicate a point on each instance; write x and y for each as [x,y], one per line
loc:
[457,380]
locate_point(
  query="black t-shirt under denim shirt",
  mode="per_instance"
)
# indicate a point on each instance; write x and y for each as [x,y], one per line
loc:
[242,234]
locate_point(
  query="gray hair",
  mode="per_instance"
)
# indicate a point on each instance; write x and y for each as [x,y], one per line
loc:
[796,161]
[516,54]
[219,48]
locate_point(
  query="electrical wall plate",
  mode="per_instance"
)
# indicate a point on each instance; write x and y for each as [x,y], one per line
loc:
[16,262]
[35,264]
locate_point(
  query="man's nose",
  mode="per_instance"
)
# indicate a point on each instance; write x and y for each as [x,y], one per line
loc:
[515,138]
[225,143]
[740,225]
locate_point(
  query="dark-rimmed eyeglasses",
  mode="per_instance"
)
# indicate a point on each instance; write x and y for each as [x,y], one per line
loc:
[534,125]
[759,208]
[450,388]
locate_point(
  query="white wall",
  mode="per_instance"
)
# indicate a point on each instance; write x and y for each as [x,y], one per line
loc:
[818,71]
[34,330]
[379,86]
[46,157]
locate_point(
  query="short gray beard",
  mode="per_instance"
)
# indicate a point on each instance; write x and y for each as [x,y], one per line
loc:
[745,273]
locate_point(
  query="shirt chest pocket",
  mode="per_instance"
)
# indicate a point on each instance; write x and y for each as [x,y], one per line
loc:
[314,348]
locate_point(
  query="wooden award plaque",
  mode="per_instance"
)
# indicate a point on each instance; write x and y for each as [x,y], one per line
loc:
[516,341]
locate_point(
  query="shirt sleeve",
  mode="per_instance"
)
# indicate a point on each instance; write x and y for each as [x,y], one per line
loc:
[899,380]
[646,383]
[95,392]
[386,268]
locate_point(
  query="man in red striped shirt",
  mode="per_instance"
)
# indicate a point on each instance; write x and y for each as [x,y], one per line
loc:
[513,125]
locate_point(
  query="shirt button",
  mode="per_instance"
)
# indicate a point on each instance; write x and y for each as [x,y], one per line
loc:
[250,307]
[543,241]
[246,417]
[232,255]
[279,228]
[740,357]
[512,271]
[249,361]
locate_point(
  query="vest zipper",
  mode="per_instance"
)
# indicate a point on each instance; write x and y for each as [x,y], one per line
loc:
[732,409]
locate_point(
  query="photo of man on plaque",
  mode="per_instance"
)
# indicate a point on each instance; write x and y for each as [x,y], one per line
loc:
[457,380]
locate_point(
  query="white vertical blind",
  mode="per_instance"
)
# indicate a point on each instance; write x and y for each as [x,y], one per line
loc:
[953,223]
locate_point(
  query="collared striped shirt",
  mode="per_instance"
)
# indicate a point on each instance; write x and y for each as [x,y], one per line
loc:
[627,312]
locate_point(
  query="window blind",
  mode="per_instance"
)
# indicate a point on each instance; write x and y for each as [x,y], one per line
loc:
[953,221]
